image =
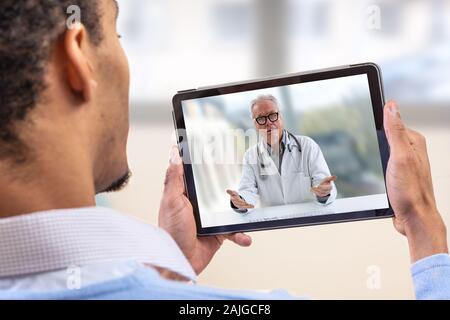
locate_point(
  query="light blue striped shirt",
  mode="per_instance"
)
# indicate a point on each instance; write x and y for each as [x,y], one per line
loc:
[96,253]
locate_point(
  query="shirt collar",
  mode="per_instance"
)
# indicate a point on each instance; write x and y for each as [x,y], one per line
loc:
[58,239]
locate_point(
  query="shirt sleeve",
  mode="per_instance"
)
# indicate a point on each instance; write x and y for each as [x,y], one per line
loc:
[431,277]
[319,170]
[248,188]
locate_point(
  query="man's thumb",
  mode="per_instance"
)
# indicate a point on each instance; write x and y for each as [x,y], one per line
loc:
[174,183]
[394,127]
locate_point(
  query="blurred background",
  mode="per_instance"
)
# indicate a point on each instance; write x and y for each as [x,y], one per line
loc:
[174,45]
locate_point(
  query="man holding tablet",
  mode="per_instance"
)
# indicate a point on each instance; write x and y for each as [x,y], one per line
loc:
[63,132]
[282,168]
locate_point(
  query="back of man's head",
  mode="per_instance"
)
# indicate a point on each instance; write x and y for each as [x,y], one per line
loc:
[28,30]
[64,86]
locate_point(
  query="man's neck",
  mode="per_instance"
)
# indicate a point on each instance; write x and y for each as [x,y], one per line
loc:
[46,188]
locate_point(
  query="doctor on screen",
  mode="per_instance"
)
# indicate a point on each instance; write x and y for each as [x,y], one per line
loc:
[282,168]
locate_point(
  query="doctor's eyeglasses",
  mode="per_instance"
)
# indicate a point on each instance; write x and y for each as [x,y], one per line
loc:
[273,117]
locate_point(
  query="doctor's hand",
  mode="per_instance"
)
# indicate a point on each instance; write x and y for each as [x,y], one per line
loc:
[324,188]
[177,218]
[238,201]
[410,188]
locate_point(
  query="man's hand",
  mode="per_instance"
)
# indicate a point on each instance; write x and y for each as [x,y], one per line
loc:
[324,188]
[238,201]
[410,188]
[177,218]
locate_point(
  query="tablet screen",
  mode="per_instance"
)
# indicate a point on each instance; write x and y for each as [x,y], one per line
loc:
[295,151]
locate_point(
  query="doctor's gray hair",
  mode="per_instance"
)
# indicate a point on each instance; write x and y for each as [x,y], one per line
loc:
[264,97]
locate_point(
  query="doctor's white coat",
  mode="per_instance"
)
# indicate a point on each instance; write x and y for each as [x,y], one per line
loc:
[299,172]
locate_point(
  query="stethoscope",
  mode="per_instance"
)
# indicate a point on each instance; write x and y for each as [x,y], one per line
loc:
[262,166]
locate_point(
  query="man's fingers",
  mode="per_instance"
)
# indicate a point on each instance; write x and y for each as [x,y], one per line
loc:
[240,239]
[174,183]
[328,180]
[417,141]
[238,201]
[315,190]
[243,205]
[325,185]
[320,191]
[396,131]
[233,193]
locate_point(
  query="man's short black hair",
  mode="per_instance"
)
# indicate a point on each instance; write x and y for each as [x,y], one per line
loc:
[28,31]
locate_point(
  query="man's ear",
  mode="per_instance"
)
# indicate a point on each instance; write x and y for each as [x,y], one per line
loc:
[79,69]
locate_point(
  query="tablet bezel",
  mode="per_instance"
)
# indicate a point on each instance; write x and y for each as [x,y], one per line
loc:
[373,72]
